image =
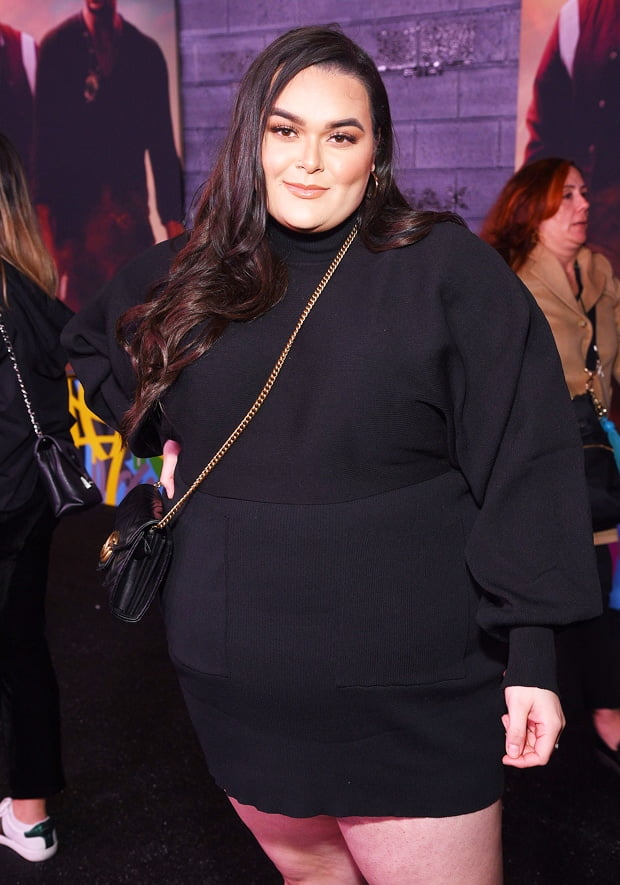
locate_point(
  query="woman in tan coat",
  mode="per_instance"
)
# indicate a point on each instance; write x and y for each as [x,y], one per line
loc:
[539,224]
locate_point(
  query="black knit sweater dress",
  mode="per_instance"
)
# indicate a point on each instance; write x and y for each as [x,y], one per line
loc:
[390,542]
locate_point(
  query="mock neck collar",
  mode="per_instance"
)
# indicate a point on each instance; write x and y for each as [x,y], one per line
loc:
[290,244]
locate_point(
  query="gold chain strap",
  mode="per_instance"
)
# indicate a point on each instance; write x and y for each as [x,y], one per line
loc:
[262,396]
[599,408]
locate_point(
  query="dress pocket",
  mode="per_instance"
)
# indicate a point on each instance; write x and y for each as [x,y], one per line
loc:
[406,604]
[195,595]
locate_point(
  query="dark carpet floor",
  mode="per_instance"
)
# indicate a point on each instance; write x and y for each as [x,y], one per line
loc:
[141,808]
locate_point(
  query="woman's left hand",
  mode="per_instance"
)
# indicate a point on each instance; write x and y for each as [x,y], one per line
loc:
[533,724]
[170,456]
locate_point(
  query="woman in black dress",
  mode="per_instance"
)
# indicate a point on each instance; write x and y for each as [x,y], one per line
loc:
[363,592]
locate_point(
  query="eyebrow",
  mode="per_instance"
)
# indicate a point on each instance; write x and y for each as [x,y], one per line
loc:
[334,124]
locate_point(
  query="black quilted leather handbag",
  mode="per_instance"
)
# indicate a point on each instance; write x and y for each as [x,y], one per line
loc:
[135,558]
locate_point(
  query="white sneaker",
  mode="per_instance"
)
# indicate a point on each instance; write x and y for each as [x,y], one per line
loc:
[38,842]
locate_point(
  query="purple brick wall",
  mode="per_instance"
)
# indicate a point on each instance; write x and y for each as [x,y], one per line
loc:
[450,68]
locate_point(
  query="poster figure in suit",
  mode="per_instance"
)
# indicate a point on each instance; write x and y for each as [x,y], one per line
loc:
[101,105]
[18,59]
[575,109]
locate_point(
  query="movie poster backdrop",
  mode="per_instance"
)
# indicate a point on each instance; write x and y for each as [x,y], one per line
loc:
[101,140]
[569,101]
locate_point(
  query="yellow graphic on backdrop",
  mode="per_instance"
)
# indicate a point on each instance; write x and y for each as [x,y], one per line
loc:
[111,464]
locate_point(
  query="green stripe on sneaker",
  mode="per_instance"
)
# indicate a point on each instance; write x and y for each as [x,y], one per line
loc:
[44,830]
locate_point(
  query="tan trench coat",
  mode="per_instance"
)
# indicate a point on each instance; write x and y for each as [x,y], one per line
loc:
[546,279]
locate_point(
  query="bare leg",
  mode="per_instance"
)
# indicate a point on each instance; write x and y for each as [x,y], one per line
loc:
[308,850]
[324,850]
[607,725]
[465,849]
[29,811]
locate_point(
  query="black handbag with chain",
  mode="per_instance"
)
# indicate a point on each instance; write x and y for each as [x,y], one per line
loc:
[136,556]
[69,486]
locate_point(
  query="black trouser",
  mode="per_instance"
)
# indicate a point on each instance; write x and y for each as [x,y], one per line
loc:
[589,652]
[29,700]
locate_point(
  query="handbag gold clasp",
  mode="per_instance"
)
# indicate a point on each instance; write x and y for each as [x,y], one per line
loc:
[108,547]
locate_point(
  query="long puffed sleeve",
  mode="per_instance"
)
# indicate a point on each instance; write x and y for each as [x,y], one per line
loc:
[100,363]
[516,441]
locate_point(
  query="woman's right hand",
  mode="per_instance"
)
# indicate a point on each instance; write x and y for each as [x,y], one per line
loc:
[533,724]
[170,456]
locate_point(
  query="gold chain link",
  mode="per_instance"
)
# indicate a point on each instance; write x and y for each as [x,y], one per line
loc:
[599,408]
[262,396]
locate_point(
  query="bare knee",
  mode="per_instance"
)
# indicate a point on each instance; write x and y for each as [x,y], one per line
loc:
[428,851]
[310,851]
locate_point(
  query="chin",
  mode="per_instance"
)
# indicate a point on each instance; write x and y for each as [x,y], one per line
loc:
[304,220]
[307,226]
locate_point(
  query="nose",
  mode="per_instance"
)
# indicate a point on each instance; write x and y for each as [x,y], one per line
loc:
[311,159]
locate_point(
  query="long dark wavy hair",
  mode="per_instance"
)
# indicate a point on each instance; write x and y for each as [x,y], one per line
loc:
[530,196]
[227,272]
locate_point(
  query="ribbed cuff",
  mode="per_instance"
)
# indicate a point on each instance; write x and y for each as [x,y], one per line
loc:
[531,658]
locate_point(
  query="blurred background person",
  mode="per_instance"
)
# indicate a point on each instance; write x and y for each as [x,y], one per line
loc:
[539,224]
[101,104]
[32,318]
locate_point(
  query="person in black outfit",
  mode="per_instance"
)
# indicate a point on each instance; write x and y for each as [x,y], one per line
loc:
[101,102]
[362,596]
[29,702]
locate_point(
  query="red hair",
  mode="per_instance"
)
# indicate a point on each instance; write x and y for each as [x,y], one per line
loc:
[533,194]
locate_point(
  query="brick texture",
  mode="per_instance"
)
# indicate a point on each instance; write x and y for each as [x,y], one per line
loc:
[450,68]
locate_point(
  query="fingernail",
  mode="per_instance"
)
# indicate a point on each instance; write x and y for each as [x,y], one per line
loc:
[513,750]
